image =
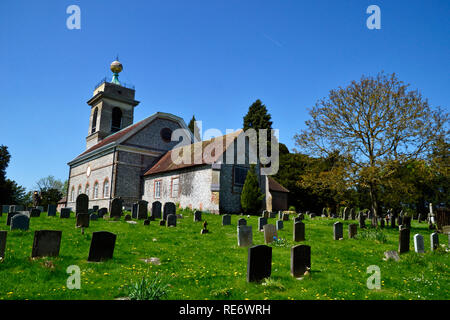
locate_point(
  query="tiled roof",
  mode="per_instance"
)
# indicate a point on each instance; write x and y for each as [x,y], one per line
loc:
[166,164]
[275,186]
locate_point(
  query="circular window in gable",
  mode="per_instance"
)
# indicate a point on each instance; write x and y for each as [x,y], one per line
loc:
[166,134]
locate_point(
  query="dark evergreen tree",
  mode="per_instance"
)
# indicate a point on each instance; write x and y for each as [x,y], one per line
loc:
[193,127]
[257,117]
[251,196]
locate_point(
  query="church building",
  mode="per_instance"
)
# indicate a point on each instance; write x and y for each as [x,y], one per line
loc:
[134,161]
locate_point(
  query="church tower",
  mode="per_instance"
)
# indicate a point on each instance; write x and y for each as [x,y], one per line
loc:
[112,107]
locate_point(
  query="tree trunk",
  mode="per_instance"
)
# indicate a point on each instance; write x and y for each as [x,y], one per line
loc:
[373,198]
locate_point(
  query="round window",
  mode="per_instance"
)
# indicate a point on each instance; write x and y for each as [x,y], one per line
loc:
[166,134]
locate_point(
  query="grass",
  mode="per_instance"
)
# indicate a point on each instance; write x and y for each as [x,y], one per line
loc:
[212,266]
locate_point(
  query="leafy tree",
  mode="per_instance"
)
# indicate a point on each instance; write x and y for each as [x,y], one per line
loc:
[10,191]
[50,196]
[193,127]
[251,196]
[370,122]
[49,182]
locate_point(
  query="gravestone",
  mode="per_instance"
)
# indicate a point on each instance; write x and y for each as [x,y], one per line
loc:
[3,235]
[403,245]
[134,211]
[391,255]
[434,241]
[352,214]
[299,231]
[259,264]
[362,221]
[51,210]
[91,211]
[297,219]
[265,214]
[146,222]
[93,217]
[102,246]
[300,260]
[82,203]
[205,229]
[407,222]
[102,212]
[272,215]
[345,214]
[127,217]
[40,208]
[280,224]
[156,210]
[35,213]
[82,220]
[419,245]
[285,217]
[242,222]
[245,236]
[197,216]
[9,217]
[65,213]
[116,208]
[261,222]
[12,209]
[46,243]
[95,208]
[20,222]
[162,223]
[280,215]
[142,212]
[270,231]
[171,220]
[169,208]
[352,230]
[338,231]
[226,220]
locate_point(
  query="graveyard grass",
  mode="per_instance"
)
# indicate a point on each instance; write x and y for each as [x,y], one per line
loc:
[212,266]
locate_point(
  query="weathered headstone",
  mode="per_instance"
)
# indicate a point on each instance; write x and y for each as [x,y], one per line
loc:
[261,222]
[116,208]
[169,208]
[338,231]
[242,222]
[46,243]
[172,220]
[134,211]
[102,212]
[280,224]
[226,220]
[259,264]
[20,222]
[434,241]
[82,220]
[245,235]
[65,213]
[35,213]
[419,245]
[300,260]
[51,210]
[197,216]
[391,255]
[82,203]
[352,230]
[142,213]
[3,235]
[102,246]
[270,231]
[403,245]
[156,210]
[299,231]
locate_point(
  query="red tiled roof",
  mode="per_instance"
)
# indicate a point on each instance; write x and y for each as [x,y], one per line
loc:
[166,164]
[275,186]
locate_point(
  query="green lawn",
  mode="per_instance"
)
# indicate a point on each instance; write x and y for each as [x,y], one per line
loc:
[211,266]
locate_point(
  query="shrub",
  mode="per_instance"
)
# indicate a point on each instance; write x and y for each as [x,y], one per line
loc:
[148,290]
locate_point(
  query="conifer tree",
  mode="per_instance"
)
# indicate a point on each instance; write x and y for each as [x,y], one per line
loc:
[251,196]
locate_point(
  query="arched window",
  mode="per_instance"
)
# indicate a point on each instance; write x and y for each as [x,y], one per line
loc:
[116,122]
[94,121]
[106,189]
[72,194]
[79,190]
[96,190]
[86,191]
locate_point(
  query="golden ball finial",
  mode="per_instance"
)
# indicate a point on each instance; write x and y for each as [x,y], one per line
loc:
[116,66]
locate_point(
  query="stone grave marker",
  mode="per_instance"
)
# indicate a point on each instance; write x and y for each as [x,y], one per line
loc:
[270,231]
[102,246]
[242,222]
[285,217]
[434,241]
[261,222]
[156,210]
[338,231]
[299,231]
[9,217]
[95,208]
[169,208]
[407,222]
[403,245]
[391,255]
[162,223]
[197,216]
[280,224]
[259,264]
[362,221]
[226,220]
[35,213]
[142,212]
[300,260]
[41,208]
[93,217]
[146,222]
[51,210]
[116,208]
[82,203]
[102,212]
[297,219]
[245,236]
[65,213]
[419,245]
[171,220]
[127,217]
[265,214]
[20,222]
[82,220]
[352,230]
[134,210]
[46,243]
[3,235]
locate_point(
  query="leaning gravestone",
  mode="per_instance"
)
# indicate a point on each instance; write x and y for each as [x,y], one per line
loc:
[419,246]
[156,210]
[434,241]
[171,220]
[46,243]
[65,213]
[261,222]
[197,216]
[82,220]
[280,224]
[3,235]
[116,208]
[142,212]
[352,230]
[102,246]
[20,222]
[9,217]
[102,212]
[51,210]
[134,211]
[226,220]
[299,231]
[82,204]
[259,264]
[403,245]
[242,222]
[270,231]
[338,231]
[245,236]
[300,260]
[169,208]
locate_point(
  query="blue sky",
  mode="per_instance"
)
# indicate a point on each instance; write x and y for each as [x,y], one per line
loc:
[208,58]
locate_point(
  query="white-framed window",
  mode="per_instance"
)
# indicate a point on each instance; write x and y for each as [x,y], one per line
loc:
[96,190]
[106,189]
[86,191]
[72,194]
[79,191]
[157,193]
[175,187]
